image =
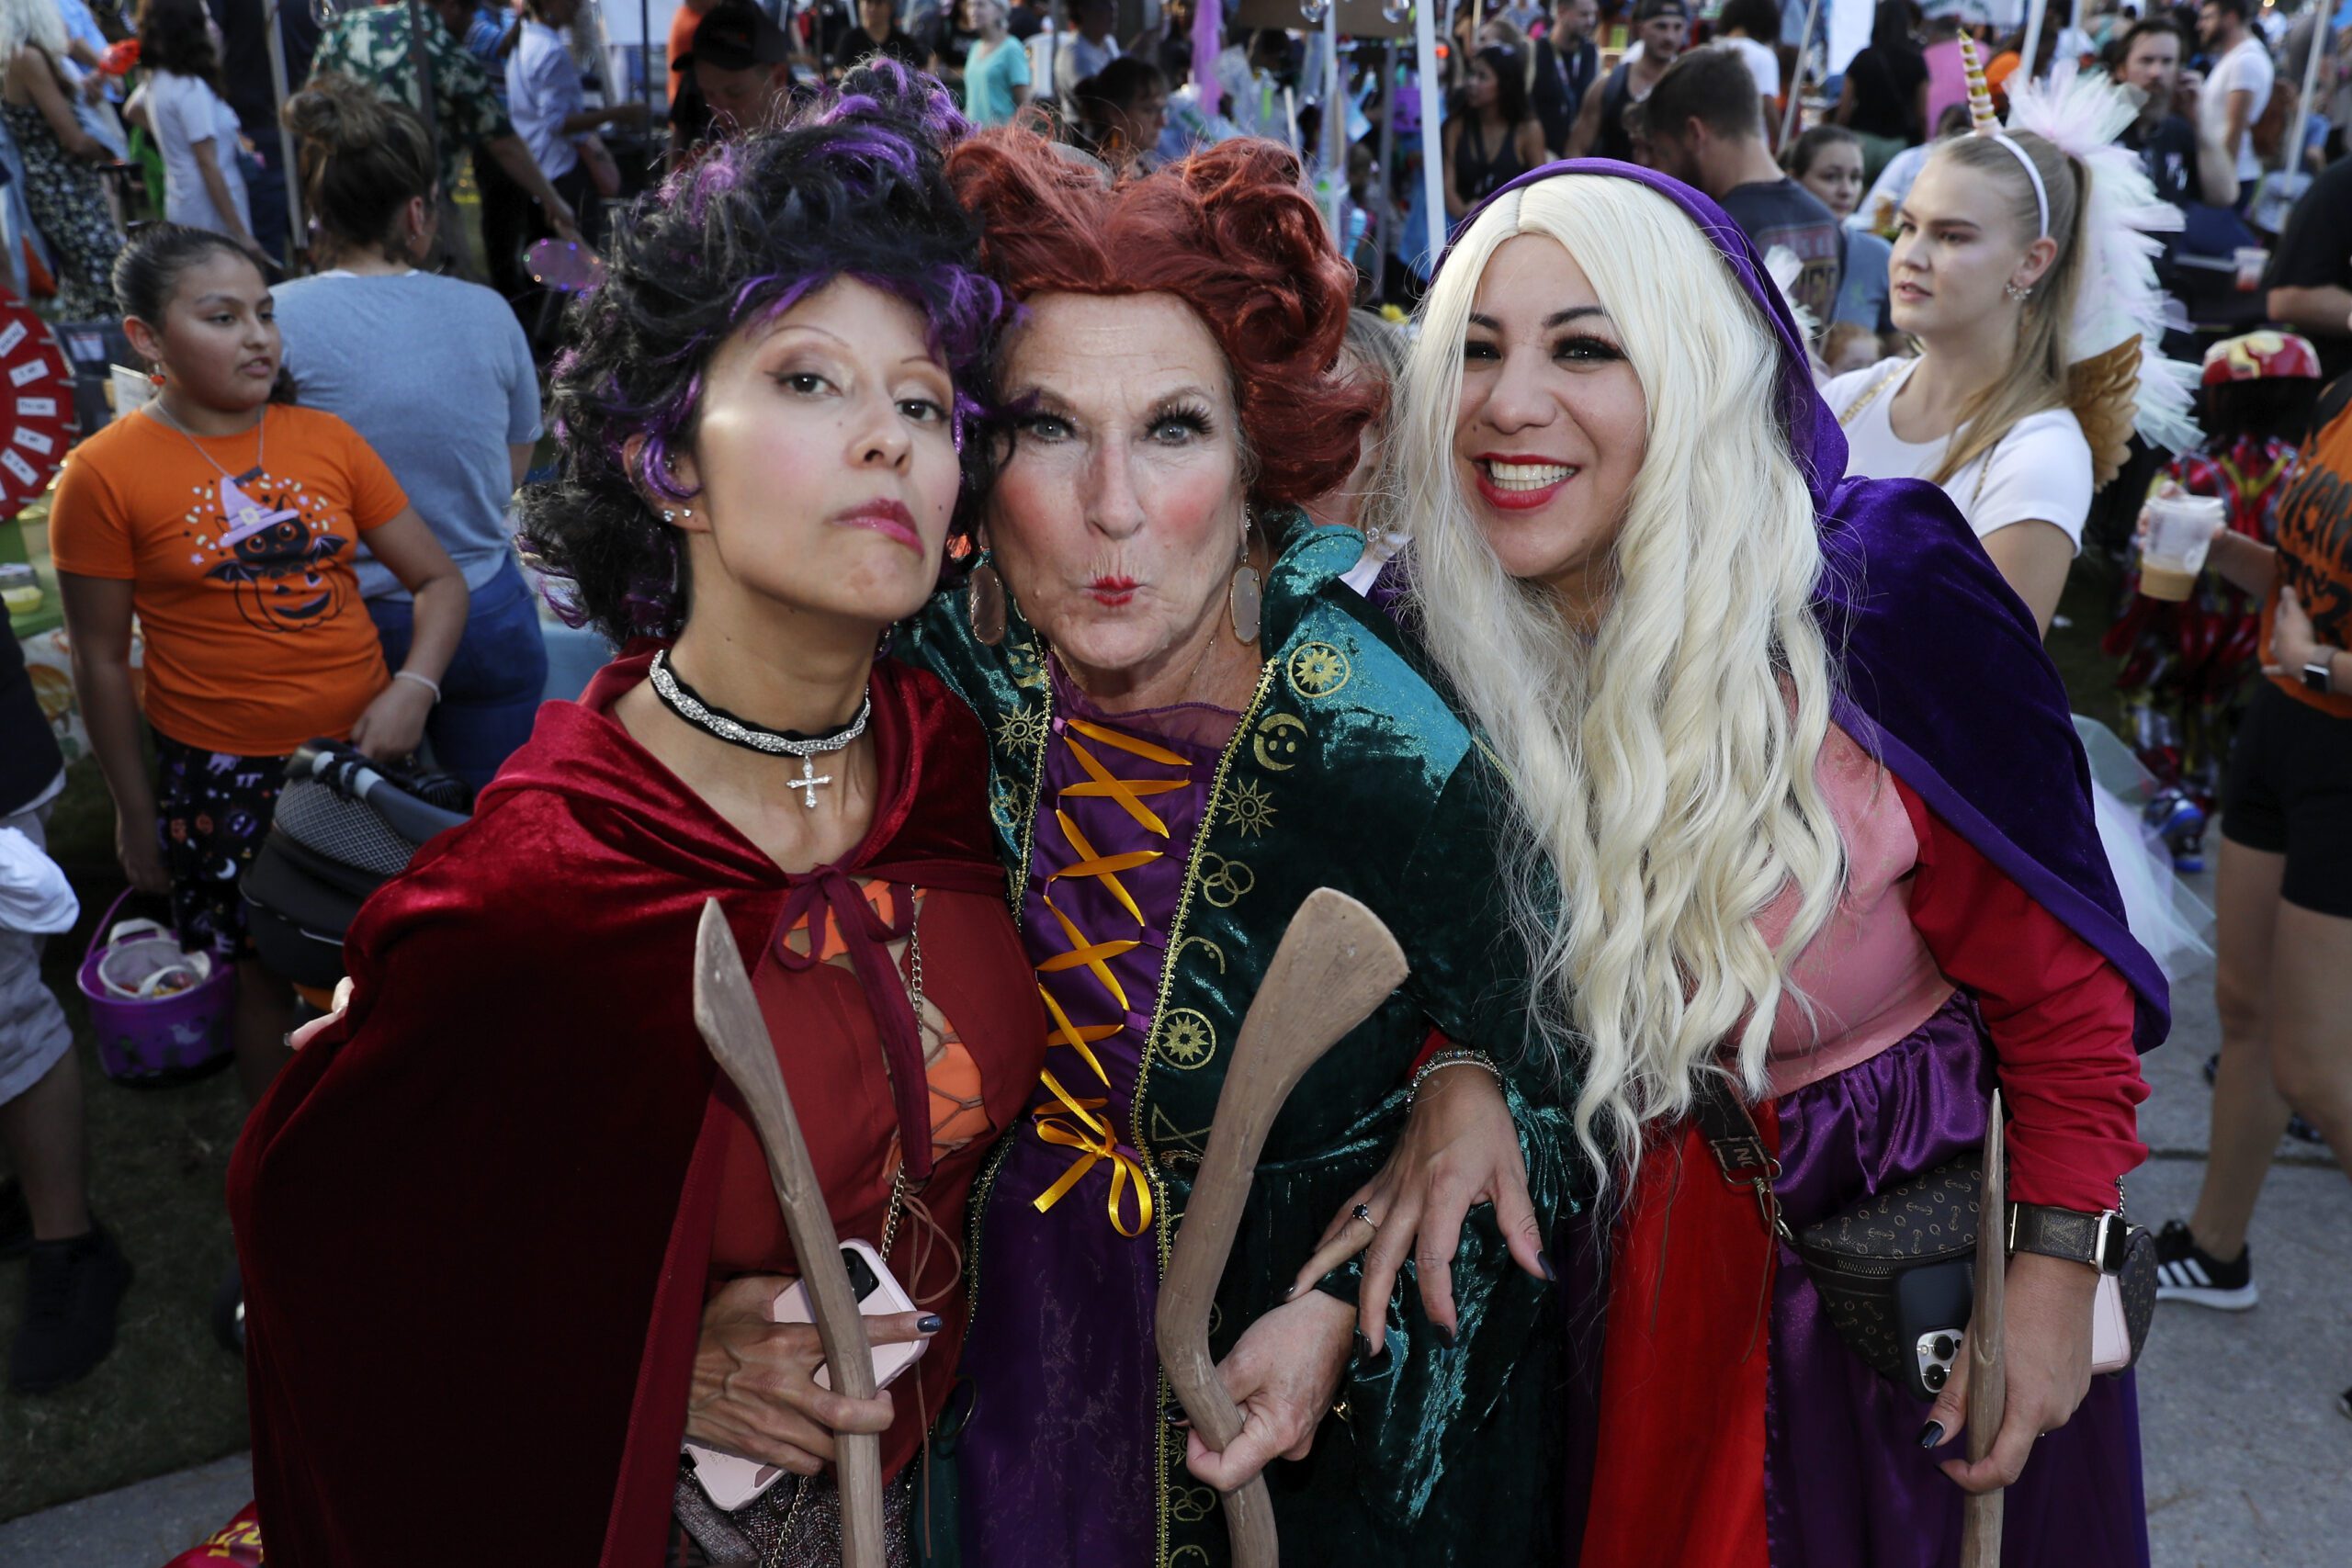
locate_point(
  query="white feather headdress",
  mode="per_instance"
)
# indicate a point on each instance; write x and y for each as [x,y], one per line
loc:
[2118,302]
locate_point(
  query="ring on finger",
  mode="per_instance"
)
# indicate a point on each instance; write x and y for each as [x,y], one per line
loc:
[1364,1211]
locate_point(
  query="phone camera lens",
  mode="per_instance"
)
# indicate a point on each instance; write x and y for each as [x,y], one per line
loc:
[1935,1377]
[1946,1347]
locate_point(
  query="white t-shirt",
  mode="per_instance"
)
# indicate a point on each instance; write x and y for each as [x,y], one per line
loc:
[2246,69]
[2041,472]
[1762,65]
[183,111]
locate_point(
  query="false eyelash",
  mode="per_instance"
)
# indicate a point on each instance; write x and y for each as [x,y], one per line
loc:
[1201,420]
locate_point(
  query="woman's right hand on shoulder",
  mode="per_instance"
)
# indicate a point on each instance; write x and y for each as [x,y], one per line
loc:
[1460,1148]
[755,1394]
[137,847]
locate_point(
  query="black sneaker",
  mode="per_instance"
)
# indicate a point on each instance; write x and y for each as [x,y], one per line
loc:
[2187,1273]
[16,1221]
[71,1289]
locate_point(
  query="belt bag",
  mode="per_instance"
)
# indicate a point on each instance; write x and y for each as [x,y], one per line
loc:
[1856,1257]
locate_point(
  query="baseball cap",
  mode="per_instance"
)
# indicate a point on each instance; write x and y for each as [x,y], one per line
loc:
[735,35]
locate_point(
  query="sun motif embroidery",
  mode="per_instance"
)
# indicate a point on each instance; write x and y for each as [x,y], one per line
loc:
[1252,809]
[1024,730]
[1187,1039]
[1317,670]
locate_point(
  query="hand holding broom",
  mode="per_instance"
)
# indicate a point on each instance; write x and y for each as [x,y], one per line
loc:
[1336,963]
[728,1017]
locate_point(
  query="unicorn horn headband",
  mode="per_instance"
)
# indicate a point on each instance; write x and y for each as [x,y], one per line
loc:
[1981,122]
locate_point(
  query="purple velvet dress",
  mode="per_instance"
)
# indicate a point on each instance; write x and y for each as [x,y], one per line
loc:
[1065,1236]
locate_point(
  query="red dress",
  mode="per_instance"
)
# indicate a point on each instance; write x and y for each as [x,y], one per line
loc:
[477,1221]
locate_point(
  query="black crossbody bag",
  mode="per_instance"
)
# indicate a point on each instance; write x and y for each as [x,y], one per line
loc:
[1894,1271]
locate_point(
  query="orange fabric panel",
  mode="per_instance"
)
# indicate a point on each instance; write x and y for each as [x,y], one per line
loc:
[2315,555]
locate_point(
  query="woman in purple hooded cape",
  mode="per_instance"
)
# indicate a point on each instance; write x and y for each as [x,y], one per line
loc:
[1808,782]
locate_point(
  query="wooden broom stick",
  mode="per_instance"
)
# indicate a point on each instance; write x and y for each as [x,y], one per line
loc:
[728,1017]
[1336,963]
[1988,1384]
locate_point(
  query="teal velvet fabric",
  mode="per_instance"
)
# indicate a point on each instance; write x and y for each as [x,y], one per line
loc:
[1348,770]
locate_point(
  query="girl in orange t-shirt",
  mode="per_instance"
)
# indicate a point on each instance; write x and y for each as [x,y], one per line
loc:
[227,523]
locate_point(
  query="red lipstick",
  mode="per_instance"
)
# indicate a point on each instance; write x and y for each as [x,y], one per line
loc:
[1515,500]
[1112,591]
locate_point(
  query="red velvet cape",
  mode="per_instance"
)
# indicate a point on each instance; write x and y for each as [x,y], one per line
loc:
[472,1219]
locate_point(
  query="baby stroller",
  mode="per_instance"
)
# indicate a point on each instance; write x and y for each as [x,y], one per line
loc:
[345,826]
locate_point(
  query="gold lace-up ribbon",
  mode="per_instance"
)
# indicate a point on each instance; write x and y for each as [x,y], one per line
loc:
[1070,1121]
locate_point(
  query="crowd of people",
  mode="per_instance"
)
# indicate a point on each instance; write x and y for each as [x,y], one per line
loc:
[1029,570]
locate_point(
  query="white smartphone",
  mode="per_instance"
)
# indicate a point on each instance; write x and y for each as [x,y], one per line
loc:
[731,1482]
[2111,1331]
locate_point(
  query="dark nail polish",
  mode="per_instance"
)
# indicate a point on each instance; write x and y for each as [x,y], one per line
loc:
[1931,1436]
[929,1323]
[1551,1275]
[1445,1334]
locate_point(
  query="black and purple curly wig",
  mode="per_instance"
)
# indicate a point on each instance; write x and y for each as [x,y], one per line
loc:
[850,187]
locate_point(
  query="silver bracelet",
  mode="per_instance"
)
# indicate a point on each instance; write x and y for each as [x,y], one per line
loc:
[1445,1059]
[427,681]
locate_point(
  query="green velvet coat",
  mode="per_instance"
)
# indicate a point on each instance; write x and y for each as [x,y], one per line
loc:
[1348,770]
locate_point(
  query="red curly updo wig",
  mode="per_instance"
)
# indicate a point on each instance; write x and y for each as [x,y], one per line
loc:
[1229,232]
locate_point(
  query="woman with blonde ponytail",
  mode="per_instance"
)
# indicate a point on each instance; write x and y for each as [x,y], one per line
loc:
[1802,837]
[2021,265]
[1986,290]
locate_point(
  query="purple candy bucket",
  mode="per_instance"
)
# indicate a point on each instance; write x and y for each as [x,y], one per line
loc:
[153,1041]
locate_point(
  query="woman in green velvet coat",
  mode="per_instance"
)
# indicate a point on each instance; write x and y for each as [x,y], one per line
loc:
[1195,724]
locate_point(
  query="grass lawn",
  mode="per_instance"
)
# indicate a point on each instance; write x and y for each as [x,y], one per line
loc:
[169,1396]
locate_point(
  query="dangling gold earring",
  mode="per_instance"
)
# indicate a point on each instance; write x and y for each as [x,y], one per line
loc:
[984,600]
[1243,599]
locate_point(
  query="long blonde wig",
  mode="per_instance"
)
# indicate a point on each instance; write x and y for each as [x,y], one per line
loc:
[1661,760]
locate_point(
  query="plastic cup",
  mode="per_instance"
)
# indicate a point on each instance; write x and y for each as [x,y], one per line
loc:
[2181,530]
[2252,260]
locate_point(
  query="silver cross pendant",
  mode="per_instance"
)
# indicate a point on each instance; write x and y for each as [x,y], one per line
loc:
[808,782]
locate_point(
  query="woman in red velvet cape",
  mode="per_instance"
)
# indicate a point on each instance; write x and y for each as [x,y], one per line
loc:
[508,1241]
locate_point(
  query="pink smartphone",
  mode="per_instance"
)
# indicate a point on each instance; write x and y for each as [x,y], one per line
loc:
[731,1482]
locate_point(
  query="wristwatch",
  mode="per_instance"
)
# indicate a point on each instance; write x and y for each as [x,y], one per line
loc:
[2078,1237]
[2320,672]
